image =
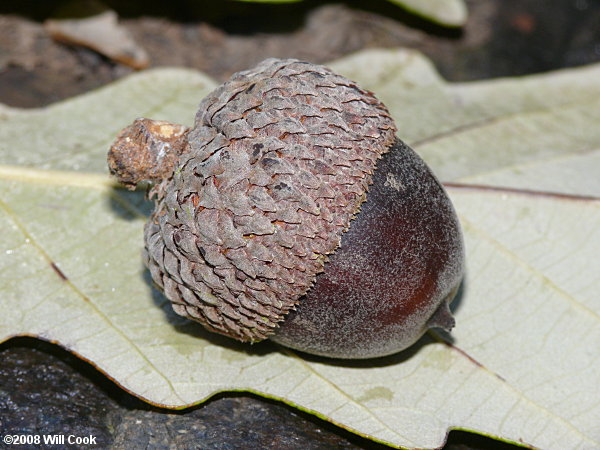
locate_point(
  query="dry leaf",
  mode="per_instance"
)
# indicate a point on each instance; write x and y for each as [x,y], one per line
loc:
[103,34]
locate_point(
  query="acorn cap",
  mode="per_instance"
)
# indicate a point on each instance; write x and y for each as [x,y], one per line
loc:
[276,166]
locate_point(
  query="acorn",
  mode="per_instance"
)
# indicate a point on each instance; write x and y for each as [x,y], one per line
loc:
[292,212]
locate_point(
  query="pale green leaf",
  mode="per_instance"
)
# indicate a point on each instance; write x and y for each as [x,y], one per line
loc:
[269,1]
[445,12]
[452,13]
[524,363]
[74,135]
[503,129]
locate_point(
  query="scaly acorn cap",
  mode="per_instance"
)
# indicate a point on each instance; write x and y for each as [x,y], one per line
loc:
[263,186]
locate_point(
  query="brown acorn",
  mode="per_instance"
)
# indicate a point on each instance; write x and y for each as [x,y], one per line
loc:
[291,211]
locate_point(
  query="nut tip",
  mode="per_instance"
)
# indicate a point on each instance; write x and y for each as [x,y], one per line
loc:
[442,317]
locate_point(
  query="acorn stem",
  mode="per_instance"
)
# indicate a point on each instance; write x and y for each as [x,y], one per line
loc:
[147,150]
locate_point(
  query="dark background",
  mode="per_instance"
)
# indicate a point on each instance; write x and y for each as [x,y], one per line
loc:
[44,389]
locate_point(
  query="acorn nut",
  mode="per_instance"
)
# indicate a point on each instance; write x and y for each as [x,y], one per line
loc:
[291,211]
